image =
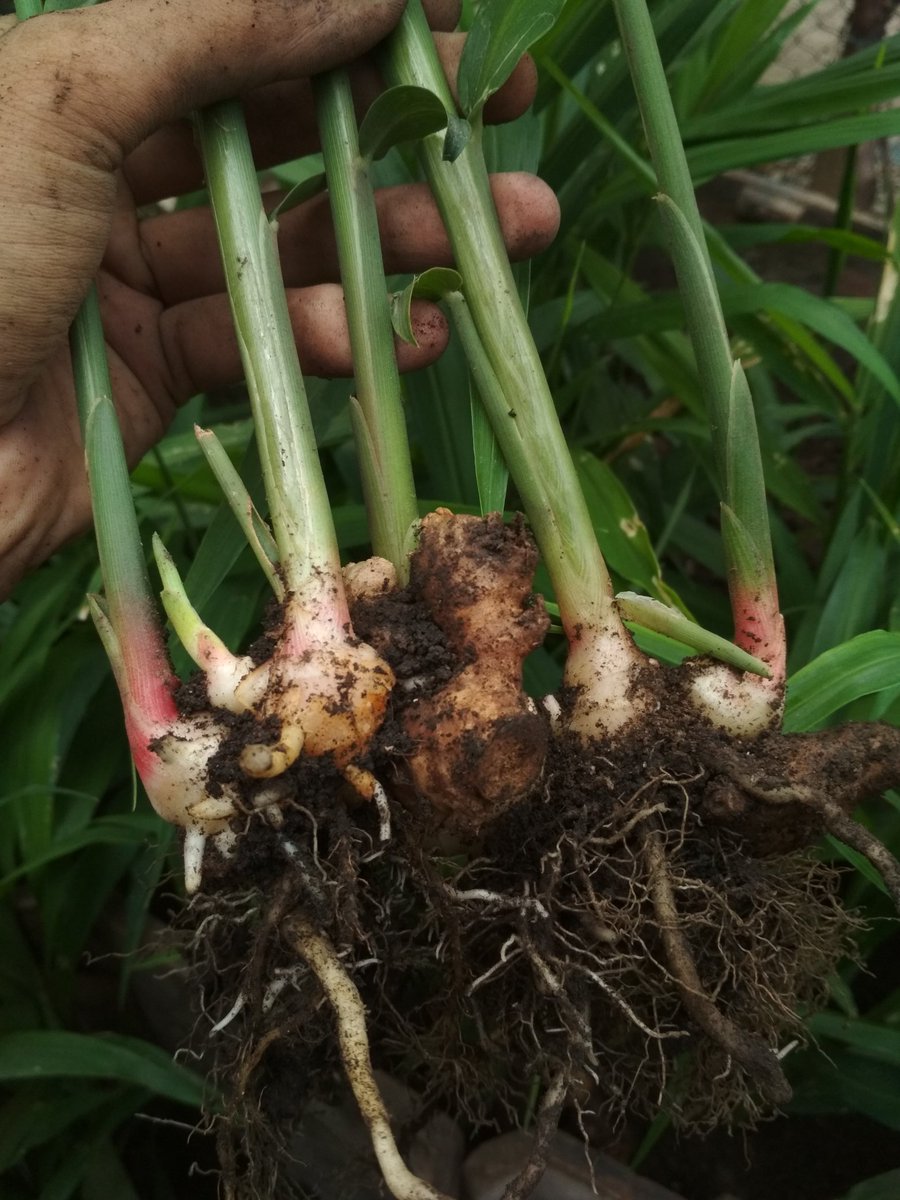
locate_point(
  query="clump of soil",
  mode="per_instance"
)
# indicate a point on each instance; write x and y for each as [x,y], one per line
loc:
[638,918]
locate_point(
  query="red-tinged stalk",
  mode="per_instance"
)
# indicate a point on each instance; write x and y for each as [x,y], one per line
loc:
[170,752]
[603,668]
[740,703]
[326,691]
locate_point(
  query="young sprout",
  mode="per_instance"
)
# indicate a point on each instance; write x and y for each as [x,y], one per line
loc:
[740,703]
[322,691]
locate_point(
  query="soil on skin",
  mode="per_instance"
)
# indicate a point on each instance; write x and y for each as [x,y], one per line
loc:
[643,922]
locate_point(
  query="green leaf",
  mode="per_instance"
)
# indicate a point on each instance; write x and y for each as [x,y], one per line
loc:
[620,531]
[662,618]
[879,1187]
[132,829]
[59,1054]
[866,1037]
[436,282]
[256,531]
[491,472]
[822,316]
[714,157]
[432,284]
[401,114]
[849,1082]
[500,34]
[456,138]
[297,195]
[38,1114]
[868,663]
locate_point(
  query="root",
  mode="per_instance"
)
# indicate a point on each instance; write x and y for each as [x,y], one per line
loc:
[846,830]
[813,782]
[547,1124]
[350,1015]
[740,1045]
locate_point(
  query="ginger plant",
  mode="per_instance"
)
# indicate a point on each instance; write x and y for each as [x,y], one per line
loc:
[619,707]
[563,865]
[322,692]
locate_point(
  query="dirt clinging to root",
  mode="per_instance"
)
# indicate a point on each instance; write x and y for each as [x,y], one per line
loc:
[639,920]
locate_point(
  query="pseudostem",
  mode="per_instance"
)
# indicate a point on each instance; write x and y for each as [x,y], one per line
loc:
[490,320]
[385,465]
[350,1015]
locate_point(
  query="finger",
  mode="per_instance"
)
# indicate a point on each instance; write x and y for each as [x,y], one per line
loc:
[281,124]
[201,349]
[139,65]
[442,14]
[84,86]
[182,253]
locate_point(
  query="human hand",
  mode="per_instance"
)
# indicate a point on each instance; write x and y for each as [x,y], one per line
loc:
[94,102]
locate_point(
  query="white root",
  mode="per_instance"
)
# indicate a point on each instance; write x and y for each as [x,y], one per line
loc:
[384,812]
[350,1015]
[233,1012]
[194,845]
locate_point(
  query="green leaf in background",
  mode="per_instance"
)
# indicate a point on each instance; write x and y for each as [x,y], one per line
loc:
[297,195]
[858,862]
[59,1054]
[401,114]
[39,1113]
[846,1081]
[879,1187]
[500,34]
[491,473]
[132,829]
[867,1038]
[822,316]
[620,531]
[866,664]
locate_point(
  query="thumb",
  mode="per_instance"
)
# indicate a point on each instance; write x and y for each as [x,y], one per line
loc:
[123,68]
[82,87]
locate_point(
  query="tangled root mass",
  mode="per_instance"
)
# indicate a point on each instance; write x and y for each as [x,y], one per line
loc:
[642,923]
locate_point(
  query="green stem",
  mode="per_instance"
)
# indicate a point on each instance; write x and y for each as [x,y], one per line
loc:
[122,562]
[298,500]
[385,464]
[541,465]
[127,622]
[657,112]
[141,664]
[746,537]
